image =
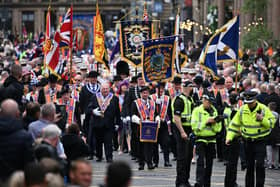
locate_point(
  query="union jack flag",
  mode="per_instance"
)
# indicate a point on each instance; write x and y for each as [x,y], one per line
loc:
[66,30]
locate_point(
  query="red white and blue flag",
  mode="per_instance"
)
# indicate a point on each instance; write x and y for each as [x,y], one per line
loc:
[66,31]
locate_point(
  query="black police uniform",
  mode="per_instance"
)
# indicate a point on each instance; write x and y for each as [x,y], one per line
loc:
[184,147]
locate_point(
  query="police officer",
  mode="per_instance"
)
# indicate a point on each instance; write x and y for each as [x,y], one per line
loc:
[182,110]
[205,125]
[232,150]
[254,120]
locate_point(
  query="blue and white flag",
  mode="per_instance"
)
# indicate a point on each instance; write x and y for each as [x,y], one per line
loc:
[221,47]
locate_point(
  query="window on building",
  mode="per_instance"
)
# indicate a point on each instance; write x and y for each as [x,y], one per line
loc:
[5,19]
[28,21]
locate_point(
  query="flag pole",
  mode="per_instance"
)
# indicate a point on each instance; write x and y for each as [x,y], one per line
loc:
[70,50]
[236,73]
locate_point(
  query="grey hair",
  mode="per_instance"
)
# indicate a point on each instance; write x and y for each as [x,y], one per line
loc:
[51,131]
[47,110]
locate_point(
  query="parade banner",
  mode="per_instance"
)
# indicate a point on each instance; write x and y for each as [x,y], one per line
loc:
[158,59]
[83,31]
[132,33]
[148,131]
[100,52]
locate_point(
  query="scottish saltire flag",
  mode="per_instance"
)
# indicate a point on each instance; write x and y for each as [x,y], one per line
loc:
[66,31]
[221,47]
[158,59]
[100,52]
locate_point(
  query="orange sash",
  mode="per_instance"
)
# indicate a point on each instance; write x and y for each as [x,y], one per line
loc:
[146,113]
[163,107]
[70,109]
[172,92]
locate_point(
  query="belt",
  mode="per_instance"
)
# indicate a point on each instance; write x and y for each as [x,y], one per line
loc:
[206,137]
[254,139]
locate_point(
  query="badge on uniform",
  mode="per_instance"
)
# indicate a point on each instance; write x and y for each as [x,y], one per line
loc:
[148,131]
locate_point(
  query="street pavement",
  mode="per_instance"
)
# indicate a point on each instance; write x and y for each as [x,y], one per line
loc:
[165,177]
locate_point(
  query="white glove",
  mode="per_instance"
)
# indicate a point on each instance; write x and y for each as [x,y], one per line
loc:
[135,119]
[127,118]
[168,122]
[97,112]
[124,120]
[117,127]
[158,101]
[157,119]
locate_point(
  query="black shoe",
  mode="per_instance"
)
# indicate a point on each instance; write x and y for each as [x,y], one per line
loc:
[141,168]
[155,165]
[167,164]
[90,158]
[98,159]
[133,158]
[109,160]
[150,166]
[174,159]
[220,160]
[197,185]
[243,167]
[188,184]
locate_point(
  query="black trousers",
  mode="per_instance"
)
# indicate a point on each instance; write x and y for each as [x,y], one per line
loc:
[184,157]
[232,155]
[220,143]
[134,140]
[255,154]
[105,136]
[164,142]
[172,138]
[205,155]
[146,153]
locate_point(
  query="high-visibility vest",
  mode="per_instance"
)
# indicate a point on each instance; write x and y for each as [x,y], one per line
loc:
[186,114]
[204,132]
[245,122]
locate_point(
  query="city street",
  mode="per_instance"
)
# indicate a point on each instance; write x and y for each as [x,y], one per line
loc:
[165,177]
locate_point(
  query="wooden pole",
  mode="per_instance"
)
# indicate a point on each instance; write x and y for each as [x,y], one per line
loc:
[236,74]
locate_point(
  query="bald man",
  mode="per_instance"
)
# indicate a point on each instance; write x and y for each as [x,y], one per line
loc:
[15,142]
[105,115]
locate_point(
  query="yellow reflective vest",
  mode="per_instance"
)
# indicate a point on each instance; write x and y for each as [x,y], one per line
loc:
[187,112]
[203,132]
[245,122]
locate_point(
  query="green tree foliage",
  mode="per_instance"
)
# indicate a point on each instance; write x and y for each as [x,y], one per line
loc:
[256,37]
[255,7]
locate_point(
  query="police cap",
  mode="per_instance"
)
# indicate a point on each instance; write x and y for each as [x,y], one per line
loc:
[249,96]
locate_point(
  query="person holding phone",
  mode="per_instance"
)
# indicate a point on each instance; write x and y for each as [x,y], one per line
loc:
[205,128]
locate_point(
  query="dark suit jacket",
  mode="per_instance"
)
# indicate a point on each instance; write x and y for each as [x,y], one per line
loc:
[111,114]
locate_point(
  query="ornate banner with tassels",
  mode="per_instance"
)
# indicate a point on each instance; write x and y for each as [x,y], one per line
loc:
[158,59]
[132,33]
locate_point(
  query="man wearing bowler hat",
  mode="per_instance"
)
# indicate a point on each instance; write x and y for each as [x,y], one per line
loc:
[88,91]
